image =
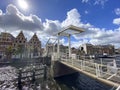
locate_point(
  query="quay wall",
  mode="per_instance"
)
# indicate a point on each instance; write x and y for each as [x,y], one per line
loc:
[60,69]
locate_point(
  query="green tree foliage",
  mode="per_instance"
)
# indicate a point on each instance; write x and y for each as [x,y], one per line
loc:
[8,52]
[20,50]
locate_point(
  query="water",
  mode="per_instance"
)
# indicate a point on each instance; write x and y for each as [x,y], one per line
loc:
[78,81]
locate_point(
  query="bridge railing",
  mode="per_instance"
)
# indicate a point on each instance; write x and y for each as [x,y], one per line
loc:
[100,70]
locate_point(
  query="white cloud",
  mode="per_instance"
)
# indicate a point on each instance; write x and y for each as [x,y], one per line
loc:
[116,21]
[106,37]
[95,2]
[85,1]
[51,27]
[117,11]
[100,2]
[86,12]
[77,44]
[73,17]
[0,12]
[98,36]
[13,19]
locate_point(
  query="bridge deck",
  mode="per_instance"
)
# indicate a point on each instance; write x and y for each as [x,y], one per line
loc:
[100,72]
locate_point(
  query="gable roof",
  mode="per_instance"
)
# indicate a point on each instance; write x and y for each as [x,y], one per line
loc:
[21,35]
[34,37]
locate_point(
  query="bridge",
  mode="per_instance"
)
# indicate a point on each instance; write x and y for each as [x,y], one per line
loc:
[107,73]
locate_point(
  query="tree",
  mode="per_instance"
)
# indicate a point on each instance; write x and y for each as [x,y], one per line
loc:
[9,52]
[20,50]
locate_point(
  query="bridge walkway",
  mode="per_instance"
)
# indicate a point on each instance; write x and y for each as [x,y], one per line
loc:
[104,73]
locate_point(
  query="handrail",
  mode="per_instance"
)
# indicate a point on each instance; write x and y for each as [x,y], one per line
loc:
[106,72]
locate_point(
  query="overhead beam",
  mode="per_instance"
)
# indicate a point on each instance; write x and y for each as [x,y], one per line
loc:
[73,28]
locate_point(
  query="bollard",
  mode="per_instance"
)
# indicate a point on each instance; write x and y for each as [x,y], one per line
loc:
[19,80]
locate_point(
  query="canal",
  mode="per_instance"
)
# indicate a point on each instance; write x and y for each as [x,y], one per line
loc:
[78,81]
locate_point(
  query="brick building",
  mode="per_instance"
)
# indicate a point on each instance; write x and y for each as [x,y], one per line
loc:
[34,46]
[98,49]
[6,40]
[19,45]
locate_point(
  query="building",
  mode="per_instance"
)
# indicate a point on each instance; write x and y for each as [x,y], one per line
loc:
[90,49]
[6,40]
[108,49]
[87,48]
[50,49]
[20,45]
[34,46]
[75,53]
[117,51]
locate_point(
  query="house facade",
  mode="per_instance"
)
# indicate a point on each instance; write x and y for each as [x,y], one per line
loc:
[34,47]
[6,40]
[98,49]
[19,46]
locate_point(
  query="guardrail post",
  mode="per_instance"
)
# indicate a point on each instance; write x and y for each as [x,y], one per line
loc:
[19,79]
[72,62]
[81,64]
[96,69]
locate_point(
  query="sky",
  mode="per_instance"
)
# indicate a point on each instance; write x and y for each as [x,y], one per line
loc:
[99,18]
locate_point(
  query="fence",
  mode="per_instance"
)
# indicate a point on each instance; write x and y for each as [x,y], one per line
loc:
[28,71]
[31,75]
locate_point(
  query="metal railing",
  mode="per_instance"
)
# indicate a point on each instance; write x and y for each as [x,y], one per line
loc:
[107,72]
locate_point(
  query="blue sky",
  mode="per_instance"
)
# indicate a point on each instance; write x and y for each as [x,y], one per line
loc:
[100,18]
